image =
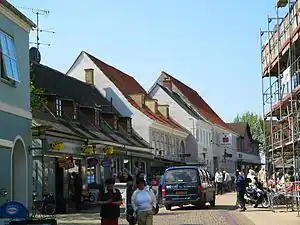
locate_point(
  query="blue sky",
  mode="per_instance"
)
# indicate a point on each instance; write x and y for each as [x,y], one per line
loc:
[212,46]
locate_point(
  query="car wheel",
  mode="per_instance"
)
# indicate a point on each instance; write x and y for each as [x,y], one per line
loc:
[168,207]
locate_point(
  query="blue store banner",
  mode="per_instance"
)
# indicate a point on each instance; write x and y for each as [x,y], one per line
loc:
[15,210]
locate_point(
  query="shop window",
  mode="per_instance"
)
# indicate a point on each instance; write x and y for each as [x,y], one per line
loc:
[91,175]
[58,107]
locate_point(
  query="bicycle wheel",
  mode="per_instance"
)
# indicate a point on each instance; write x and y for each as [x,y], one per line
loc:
[49,209]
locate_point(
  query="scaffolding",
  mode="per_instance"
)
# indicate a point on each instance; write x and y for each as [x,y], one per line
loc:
[280,65]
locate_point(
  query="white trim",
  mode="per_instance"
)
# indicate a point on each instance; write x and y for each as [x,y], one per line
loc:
[168,129]
[19,138]
[6,143]
[4,107]
[14,18]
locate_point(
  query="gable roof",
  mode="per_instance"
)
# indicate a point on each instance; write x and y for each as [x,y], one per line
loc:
[54,82]
[18,13]
[199,103]
[128,85]
[180,102]
[240,128]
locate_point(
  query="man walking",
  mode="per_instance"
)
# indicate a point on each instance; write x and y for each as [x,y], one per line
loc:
[241,189]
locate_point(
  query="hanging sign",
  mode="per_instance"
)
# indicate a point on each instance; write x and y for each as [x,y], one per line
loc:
[88,150]
[57,146]
[225,139]
[108,150]
[92,161]
[66,162]
[107,162]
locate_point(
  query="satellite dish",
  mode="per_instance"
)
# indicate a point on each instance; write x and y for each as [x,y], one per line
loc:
[34,55]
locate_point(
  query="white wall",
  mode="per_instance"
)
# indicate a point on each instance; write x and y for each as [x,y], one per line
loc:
[218,149]
[187,121]
[140,122]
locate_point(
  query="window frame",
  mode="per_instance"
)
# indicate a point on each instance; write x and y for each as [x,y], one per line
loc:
[11,56]
[58,107]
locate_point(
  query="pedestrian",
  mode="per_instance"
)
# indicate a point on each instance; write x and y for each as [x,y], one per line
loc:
[77,183]
[110,200]
[240,186]
[219,182]
[227,181]
[143,203]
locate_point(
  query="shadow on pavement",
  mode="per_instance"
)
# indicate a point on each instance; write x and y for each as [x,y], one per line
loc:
[217,207]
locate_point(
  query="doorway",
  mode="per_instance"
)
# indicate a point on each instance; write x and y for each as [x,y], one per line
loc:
[19,172]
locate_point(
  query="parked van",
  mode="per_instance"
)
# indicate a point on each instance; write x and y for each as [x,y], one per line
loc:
[185,185]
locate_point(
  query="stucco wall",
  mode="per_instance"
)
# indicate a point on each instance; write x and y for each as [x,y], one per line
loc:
[13,126]
[17,96]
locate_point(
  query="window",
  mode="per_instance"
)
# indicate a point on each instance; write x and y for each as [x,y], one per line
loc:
[97,118]
[89,76]
[9,69]
[91,175]
[115,123]
[58,107]
[75,112]
[129,126]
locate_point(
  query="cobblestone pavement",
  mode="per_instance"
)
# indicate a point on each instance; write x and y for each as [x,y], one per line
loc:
[222,214]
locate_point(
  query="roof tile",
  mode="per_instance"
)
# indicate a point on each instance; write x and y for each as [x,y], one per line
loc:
[128,85]
[203,108]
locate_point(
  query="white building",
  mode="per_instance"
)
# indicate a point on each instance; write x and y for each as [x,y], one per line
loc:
[149,119]
[205,143]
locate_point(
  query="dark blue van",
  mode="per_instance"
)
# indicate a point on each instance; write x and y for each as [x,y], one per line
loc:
[185,185]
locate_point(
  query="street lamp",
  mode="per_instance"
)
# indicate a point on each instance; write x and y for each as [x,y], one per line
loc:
[193,129]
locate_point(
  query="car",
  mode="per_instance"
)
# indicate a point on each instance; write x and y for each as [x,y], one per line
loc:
[185,185]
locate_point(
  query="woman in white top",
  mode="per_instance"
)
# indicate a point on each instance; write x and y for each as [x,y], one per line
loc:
[143,201]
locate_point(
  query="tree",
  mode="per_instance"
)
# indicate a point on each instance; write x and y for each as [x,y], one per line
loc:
[255,122]
[37,99]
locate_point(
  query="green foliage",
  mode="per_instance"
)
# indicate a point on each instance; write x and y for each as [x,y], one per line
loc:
[255,122]
[37,99]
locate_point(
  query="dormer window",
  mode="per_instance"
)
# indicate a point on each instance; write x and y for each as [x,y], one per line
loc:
[97,118]
[75,112]
[58,107]
[115,123]
[129,125]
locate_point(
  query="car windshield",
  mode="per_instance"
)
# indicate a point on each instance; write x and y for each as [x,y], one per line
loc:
[181,176]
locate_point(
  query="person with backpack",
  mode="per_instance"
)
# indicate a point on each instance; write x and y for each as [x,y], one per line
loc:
[240,186]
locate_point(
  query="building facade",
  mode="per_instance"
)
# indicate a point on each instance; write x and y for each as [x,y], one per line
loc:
[15,116]
[151,120]
[75,133]
[248,149]
[204,143]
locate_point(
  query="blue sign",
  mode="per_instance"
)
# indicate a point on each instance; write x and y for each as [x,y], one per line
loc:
[106,163]
[14,209]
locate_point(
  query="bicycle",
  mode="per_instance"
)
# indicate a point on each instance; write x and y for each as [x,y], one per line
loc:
[43,208]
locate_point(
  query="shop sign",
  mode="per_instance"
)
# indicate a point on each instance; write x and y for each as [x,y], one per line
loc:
[226,139]
[108,150]
[88,150]
[56,146]
[92,161]
[66,162]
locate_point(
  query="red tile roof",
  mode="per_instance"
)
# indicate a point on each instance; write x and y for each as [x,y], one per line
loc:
[194,98]
[128,85]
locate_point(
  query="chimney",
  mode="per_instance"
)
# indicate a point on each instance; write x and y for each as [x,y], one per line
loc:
[167,83]
[151,104]
[164,109]
[89,76]
[138,98]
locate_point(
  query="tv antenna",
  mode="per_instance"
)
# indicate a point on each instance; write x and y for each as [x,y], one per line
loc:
[38,13]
